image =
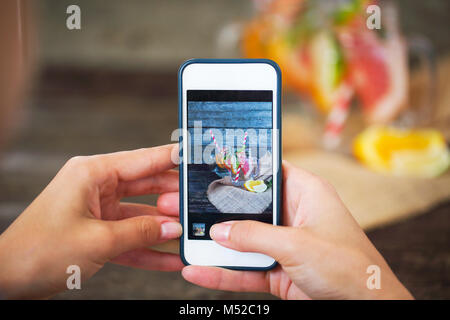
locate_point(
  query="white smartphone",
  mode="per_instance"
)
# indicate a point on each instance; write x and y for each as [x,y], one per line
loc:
[230,149]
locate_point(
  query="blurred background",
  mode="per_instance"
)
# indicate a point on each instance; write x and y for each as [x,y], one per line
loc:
[367,109]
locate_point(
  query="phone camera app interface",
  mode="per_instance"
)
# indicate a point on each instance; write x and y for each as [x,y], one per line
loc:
[229,158]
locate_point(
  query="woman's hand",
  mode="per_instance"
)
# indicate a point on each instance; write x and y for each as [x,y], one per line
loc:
[79,220]
[322,252]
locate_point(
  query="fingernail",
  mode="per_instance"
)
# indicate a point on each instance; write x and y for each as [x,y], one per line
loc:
[170,230]
[220,232]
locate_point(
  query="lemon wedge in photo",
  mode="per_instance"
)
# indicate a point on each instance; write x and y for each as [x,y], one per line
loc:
[418,153]
[255,186]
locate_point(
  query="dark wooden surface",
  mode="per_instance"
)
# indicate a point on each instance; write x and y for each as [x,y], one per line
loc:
[199,177]
[230,114]
[87,112]
[418,252]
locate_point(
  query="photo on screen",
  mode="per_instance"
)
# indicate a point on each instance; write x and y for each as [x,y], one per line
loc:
[229,171]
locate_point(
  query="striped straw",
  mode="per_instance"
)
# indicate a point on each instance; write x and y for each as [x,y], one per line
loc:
[337,117]
[214,139]
[245,139]
[243,147]
[237,174]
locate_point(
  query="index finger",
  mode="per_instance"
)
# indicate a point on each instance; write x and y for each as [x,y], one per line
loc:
[140,163]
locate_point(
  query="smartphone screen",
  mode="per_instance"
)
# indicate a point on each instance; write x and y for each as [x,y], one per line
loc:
[229,171]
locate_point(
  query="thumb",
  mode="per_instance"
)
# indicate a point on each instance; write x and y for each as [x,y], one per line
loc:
[142,231]
[278,242]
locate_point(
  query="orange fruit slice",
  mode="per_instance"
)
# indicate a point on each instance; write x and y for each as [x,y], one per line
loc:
[419,153]
[256,186]
[219,161]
